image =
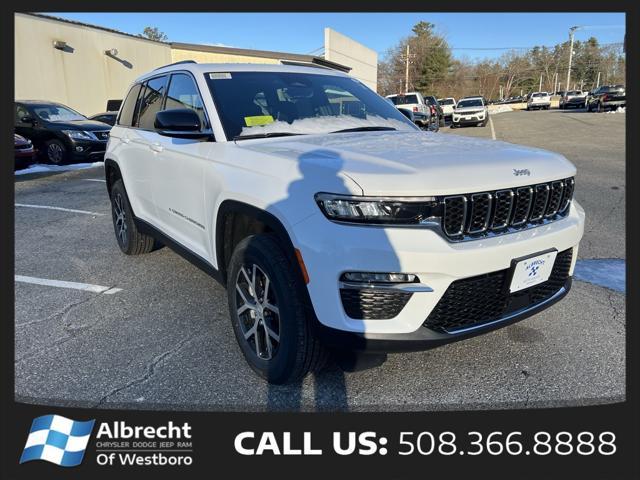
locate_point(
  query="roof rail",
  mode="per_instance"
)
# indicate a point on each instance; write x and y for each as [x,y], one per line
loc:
[303,64]
[175,63]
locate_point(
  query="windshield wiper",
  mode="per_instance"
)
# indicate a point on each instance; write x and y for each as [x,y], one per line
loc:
[364,129]
[265,135]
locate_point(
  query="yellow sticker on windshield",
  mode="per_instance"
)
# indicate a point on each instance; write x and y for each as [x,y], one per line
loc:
[258,120]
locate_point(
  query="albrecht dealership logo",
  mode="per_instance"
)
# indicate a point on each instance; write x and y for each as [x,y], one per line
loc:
[63,441]
[58,440]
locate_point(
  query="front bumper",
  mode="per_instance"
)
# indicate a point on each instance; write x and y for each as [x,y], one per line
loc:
[424,338]
[474,119]
[330,249]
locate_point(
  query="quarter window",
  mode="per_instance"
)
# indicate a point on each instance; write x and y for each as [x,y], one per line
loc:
[129,106]
[151,102]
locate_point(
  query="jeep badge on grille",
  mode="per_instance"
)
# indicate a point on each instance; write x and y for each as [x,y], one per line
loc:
[521,171]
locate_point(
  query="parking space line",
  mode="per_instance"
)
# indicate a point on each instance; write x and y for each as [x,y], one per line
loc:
[48,207]
[87,287]
[94,180]
[493,132]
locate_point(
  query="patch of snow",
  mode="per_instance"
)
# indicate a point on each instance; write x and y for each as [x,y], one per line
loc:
[326,124]
[493,109]
[606,272]
[619,110]
[44,168]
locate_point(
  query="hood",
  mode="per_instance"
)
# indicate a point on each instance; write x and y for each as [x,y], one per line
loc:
[87,125]
[421,163]
[468,109]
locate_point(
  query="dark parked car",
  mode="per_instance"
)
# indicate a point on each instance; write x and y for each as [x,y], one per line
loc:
[60,133]
[607,97]
[435,108]
[24,152]
[106,117]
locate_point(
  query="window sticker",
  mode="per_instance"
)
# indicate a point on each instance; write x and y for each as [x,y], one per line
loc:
[219,75]
[258,120]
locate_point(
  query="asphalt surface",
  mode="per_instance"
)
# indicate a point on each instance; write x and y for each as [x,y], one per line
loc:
[165,341]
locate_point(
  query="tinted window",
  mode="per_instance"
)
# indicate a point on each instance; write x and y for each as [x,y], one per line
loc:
[126,113]
[151,102]
[470,103]
[301,103]
[21,112]
[446,101]
[183,93]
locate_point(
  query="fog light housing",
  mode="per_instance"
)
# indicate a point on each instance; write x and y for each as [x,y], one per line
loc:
[79,149]
[375,277]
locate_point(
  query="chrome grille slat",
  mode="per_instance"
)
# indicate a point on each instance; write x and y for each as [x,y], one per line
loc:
[504,200]
[480,214]
[540,199]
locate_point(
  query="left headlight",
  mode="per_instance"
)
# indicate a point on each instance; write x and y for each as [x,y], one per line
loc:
[79,135]
[378,210]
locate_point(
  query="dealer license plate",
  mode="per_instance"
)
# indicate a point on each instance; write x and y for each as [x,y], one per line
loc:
[532,271]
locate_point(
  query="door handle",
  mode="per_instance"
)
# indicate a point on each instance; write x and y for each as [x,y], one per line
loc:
[156,147]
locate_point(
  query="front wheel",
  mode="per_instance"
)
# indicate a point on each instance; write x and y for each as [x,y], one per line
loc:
[268,314]
[56,152]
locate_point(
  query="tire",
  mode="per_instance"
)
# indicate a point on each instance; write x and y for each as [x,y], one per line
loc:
[274,331]
[441,122]
[56,152]
[129,238]
[600,108]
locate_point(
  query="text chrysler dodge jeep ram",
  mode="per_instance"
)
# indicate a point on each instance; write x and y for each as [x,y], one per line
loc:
[333,220]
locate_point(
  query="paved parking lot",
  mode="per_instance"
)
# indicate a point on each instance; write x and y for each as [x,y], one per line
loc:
[164,339]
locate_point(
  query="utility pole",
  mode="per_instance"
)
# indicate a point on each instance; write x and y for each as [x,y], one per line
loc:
[406,72]
[540,87]
[407,58]
[598,80]
[571,32]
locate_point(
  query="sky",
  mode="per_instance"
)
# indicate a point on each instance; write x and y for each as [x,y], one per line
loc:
[472,35]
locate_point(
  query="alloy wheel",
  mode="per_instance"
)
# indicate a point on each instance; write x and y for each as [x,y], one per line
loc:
[55,153]
[257,310]
[120,218]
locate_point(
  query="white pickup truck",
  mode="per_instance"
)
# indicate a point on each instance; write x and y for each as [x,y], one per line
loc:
[539,100]
[411,100]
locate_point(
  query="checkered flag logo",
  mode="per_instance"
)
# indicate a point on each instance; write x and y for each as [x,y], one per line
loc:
[57,440]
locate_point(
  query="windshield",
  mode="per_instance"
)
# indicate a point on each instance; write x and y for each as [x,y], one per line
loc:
[541,94]
[574,93]
[446,101]
[470,103]
[57,113]
[256,103]
[404,99]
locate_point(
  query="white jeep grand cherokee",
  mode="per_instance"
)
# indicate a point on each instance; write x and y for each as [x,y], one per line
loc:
[333,221]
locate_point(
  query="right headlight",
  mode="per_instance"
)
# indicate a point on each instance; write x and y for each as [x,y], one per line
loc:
[378,210]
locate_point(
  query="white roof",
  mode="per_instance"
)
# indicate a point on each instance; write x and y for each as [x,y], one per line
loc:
[202,68]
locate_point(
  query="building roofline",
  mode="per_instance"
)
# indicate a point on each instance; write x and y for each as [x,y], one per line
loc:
[296,57]
[89,25]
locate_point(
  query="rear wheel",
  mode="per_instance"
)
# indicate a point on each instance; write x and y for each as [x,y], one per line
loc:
[268,314]
[129,238]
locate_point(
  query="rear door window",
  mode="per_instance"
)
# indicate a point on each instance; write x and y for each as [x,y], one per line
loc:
[151,102]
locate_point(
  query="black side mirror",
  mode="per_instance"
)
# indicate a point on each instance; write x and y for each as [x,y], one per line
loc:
[179,122]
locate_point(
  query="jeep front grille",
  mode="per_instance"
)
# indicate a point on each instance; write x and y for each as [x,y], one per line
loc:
[474,215]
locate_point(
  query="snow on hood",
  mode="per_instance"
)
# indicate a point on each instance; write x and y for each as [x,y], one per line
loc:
[327,124]
[420,163]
